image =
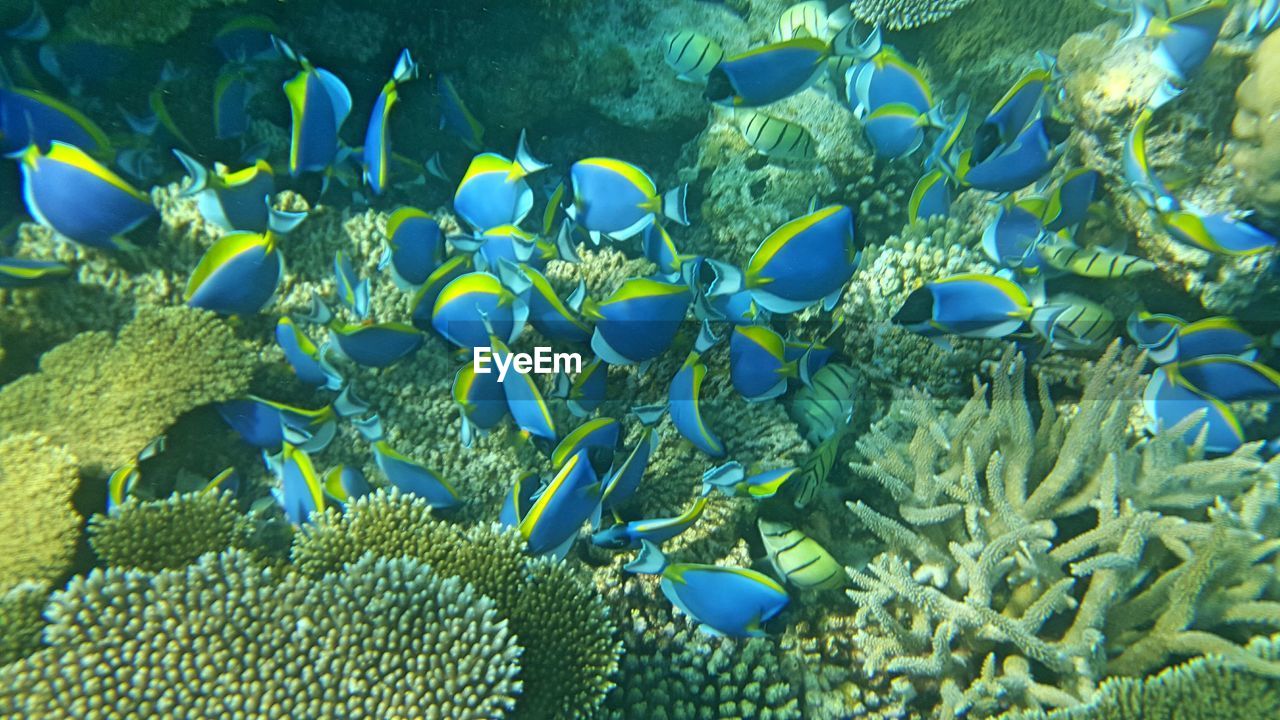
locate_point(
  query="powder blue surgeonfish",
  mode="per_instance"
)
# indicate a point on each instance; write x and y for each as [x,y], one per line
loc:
[238,274]
[1228,378]
[685,401]
[758,366]
[467,303]
[28,117]
[1168,338]
[722,600]
[375,345]
[405,474]
[266,424]
[424,298]
[1221,233]
[79,198]
[806,261]
[896,130]
[247,37]
[623,479]
[630,535]
[549,315]
[344,483]
[24,272]
[1012,238]
[1015,165]
[931,197]
[231,94]
[494,190]
[638,322]
[33,27]
[236,200]
[320,103]
[301,491]
[353,292]
[887,79]
[305,357]
[768,73]
[599,432]
[1185,40]
[586,391]
[415,247]
[1013,112]
[968,305]
[1068,204]
[524,400]
[377,138]
[552,522]
[480,400]
[455,117]
[1170,402]
[616,199]
[733,480]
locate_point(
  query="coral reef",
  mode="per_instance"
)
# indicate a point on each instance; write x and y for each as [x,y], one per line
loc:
[570,651]
[1256,154]
[1028,561]
[905,14]
[226,637]
[125,23]
[105,398]
[20,621]
[40,526]
[170,533]
[1205,687]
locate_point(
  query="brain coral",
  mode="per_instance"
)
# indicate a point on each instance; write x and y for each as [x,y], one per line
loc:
[570,649]
[228,638]
[168,533]
[38,525]
[905,14]
[165,362]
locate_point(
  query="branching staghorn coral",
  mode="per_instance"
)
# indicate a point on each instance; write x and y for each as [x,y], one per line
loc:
[105,398]
[570,649]
[1028,561]
[229,638]
[169,533]
[39,527]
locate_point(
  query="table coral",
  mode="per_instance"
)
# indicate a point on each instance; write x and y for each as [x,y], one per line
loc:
[168,533]
[105,398]
[225,637]
[905,14]
[40,527]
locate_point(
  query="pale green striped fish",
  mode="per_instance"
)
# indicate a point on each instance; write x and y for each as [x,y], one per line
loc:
[692,55]
[798,558]
[776,138]
[825,404]
[813,473]
[1090,263]
[1069,322]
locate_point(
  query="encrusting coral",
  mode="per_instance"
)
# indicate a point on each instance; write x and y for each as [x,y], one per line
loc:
[124,22]
[228,638]
[105,398]
[39,527]
[169,533]
[570,649]
[1028,561]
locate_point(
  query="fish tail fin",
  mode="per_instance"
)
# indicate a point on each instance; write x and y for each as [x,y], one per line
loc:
[1139,26]
[650,561]
[673,204]
[198,173]
[281,222]
[1164,93]
[846,42]
[370,427]
[406,68]
[525,164]
[285,50]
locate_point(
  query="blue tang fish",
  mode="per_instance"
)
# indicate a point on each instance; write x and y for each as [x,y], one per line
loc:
[494,190]
[1170,402]
[598,433]
[758,366]
[79,198]
[231,94]
[732,480]
[768,73]
[552,523]
[968,305]
[722,600]
[685,400]
[24,272]
[377,138]
[931,197]
[638,322]
[617,199]
[353,292]
[1228,378]
[586,391]
[344,483]
[262,423]
[236,200]
[630,535]
[1185,40]
[455,117]
[469,301]
[320,103]
[1219,233]
[480,399]
[806,261]
[424,298]
[237,275]
[524,400]
[301,492]
[304,357]
[415,247]
[623,480]
[377,345]
[28,117]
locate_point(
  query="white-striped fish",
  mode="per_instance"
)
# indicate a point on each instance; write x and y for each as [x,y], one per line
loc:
[825,404]
[776,138]
[815,469]
[692,55]
[1092,263]
[810,19]
[1069,322]
[798,558]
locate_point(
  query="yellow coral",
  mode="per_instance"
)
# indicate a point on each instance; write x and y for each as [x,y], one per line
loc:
[38,526]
